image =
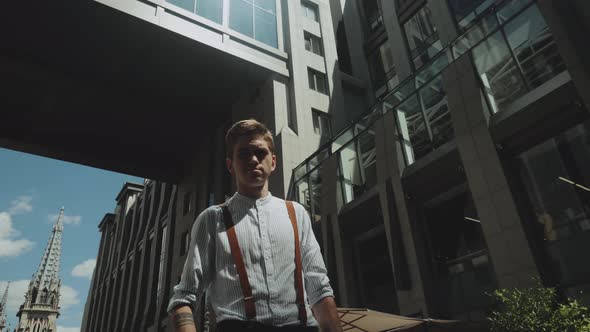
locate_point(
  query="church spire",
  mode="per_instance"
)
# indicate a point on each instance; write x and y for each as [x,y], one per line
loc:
[42,297]
[3,309]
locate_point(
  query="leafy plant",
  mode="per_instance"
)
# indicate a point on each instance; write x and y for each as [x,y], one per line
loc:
[537,310]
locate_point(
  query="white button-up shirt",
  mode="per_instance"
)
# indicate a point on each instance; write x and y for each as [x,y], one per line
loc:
[266,240]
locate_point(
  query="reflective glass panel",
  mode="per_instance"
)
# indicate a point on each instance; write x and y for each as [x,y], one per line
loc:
[466,11]
[534,47]
[412,129]
[315,181]
[368,157]
[351,174]
[499,73]
[474,35]
[211,9]
[342,139]
[510,8]
[432,69]
[419,28]
[556,177]
[435,103]
[184,4]
[241,17]
[318,158]
[302,194]
[268,5]
[265,27]
[300,171]
[403,91]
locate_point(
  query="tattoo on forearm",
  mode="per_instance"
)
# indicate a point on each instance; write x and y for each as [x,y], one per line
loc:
[183,318]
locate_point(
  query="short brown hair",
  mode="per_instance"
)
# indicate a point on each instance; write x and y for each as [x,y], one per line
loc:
[247,128]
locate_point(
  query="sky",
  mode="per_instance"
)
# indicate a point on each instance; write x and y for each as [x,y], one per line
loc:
[32,191]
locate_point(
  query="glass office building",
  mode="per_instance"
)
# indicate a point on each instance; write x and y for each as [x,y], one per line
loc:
[469,172]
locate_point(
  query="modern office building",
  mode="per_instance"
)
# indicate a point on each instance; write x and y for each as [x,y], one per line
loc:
[445,142]
[471,170]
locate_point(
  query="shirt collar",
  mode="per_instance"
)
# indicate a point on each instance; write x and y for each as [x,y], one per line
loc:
[249,201]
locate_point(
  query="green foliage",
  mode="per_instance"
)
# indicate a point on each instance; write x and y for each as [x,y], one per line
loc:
[537,310]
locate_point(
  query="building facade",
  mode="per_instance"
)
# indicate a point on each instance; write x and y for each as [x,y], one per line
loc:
[471,169]
[445,147]
[40,310]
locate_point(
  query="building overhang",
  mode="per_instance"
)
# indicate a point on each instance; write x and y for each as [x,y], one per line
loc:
[86,83]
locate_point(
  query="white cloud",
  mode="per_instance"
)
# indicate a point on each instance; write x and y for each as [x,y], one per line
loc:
[17,290]
[68,297]
[84,269]
[68,220]
[21,204]
[16,295]
[9,244]
[67,329]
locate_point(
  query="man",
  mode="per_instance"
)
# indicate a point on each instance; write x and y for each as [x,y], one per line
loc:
[252,280]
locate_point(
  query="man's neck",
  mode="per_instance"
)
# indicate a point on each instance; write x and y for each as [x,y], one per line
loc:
[254,192]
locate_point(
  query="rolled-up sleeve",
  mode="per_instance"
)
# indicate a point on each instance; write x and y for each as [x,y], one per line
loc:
[317,283]
[196,274]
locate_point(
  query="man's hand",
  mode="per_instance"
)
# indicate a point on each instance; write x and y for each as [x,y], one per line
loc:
[182,318]
[326,314]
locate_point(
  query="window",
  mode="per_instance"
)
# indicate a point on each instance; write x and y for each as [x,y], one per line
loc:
[310,10]
[422,37]
[313,44]
[186,207]
[256,19]
[211,9]
[184,243]
[317,81]
[466,11]
[372,14]
[382,67]
[321,123]
[162,258]
[555,176]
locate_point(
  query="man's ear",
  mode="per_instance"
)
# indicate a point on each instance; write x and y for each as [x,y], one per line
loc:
[230,166]
[274,162]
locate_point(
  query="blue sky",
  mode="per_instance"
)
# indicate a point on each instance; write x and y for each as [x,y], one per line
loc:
[32,190]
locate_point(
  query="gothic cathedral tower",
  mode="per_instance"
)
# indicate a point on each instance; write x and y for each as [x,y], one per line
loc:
[41,307]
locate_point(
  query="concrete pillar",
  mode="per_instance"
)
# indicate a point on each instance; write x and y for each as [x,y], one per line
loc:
[397,41]
[390,165]
[506,241]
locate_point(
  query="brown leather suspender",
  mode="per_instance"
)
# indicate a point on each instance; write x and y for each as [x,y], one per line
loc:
[298,270]
[239,261]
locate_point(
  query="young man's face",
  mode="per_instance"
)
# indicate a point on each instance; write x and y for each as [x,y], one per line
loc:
[252,162]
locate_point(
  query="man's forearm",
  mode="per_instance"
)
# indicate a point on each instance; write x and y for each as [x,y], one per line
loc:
[326,314]
[182,318]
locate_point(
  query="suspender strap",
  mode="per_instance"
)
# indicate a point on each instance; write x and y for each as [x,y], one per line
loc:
[298,270]
[239,261]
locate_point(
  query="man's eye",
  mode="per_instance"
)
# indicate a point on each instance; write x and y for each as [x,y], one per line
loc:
[260,154]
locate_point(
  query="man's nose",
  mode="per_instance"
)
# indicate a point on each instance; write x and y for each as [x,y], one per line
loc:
[253,158]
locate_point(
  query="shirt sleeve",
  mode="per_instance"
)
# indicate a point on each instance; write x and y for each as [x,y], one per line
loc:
[317,284]
[196,274]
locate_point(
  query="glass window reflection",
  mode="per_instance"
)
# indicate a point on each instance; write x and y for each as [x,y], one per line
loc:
[534,47]
[349,164]
[556,177]
[412,129]
[499,73]
[436,108]
[211,9]
[256,19]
